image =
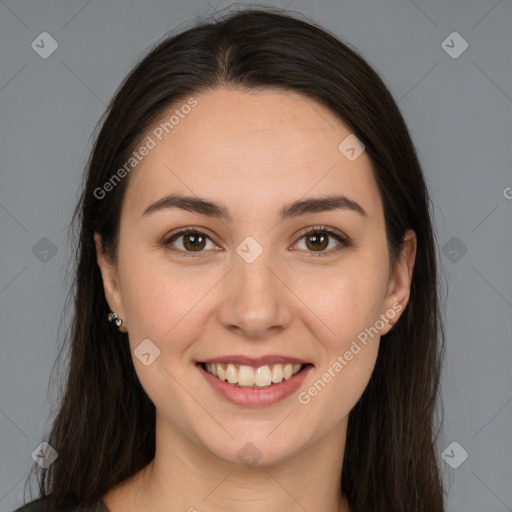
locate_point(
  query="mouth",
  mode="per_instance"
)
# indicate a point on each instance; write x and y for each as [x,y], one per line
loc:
[255,377]
[254,382]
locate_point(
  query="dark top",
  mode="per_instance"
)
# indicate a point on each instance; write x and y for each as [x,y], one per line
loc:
[39,506]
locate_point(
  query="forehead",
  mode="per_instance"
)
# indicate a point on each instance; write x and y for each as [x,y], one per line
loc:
[248,148]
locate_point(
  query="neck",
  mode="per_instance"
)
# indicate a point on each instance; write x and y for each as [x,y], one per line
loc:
[185,476]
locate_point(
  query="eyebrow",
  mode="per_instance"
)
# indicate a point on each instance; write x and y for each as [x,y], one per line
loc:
[213,209]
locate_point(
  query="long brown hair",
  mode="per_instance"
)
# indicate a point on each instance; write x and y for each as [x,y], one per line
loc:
[104,429]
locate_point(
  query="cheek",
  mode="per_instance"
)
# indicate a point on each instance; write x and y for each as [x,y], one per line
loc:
[345,306]
[149,299]
[348,306]
[351,343]
[163,301]
[346,299]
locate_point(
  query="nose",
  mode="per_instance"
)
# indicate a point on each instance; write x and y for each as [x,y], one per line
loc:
[255,298]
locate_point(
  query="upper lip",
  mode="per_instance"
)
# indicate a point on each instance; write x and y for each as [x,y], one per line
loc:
[255,361]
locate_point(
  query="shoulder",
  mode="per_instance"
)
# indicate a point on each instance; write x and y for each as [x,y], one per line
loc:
[39,505]
[32,506]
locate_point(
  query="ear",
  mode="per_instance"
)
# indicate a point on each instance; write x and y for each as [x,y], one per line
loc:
[110,278]
[399,288]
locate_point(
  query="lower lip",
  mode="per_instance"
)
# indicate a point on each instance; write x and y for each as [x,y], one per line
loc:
[254,397]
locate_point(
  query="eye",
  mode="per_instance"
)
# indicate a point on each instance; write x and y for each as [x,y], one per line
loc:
[318,239]
[192,241]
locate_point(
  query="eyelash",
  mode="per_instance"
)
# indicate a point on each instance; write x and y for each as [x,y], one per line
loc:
[344,242]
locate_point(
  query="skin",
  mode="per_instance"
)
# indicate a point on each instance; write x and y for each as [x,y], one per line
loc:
[253,152]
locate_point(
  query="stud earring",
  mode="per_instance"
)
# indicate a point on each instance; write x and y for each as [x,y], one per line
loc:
[114,319]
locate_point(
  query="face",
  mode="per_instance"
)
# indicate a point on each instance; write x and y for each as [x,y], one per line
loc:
[257,282]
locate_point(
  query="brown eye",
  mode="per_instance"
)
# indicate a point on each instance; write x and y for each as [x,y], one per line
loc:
[188,241]
[317,240]
[194,241]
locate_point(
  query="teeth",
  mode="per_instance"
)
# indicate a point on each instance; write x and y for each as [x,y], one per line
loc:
[231,374]
[247,376]
[277,373]
[263,376]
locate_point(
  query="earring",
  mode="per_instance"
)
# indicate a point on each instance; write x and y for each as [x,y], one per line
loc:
[114,319]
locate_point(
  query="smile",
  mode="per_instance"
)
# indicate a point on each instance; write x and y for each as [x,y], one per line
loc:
[254,382]
[250,376]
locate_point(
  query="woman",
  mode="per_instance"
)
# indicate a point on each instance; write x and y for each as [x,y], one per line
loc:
[257,320]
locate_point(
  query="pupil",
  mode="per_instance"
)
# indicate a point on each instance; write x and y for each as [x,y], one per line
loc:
[318,240]
[193,240]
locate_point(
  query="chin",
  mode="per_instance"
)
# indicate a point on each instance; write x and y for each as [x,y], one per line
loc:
[256,449]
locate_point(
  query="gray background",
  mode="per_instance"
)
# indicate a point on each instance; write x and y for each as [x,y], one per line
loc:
[459,113]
